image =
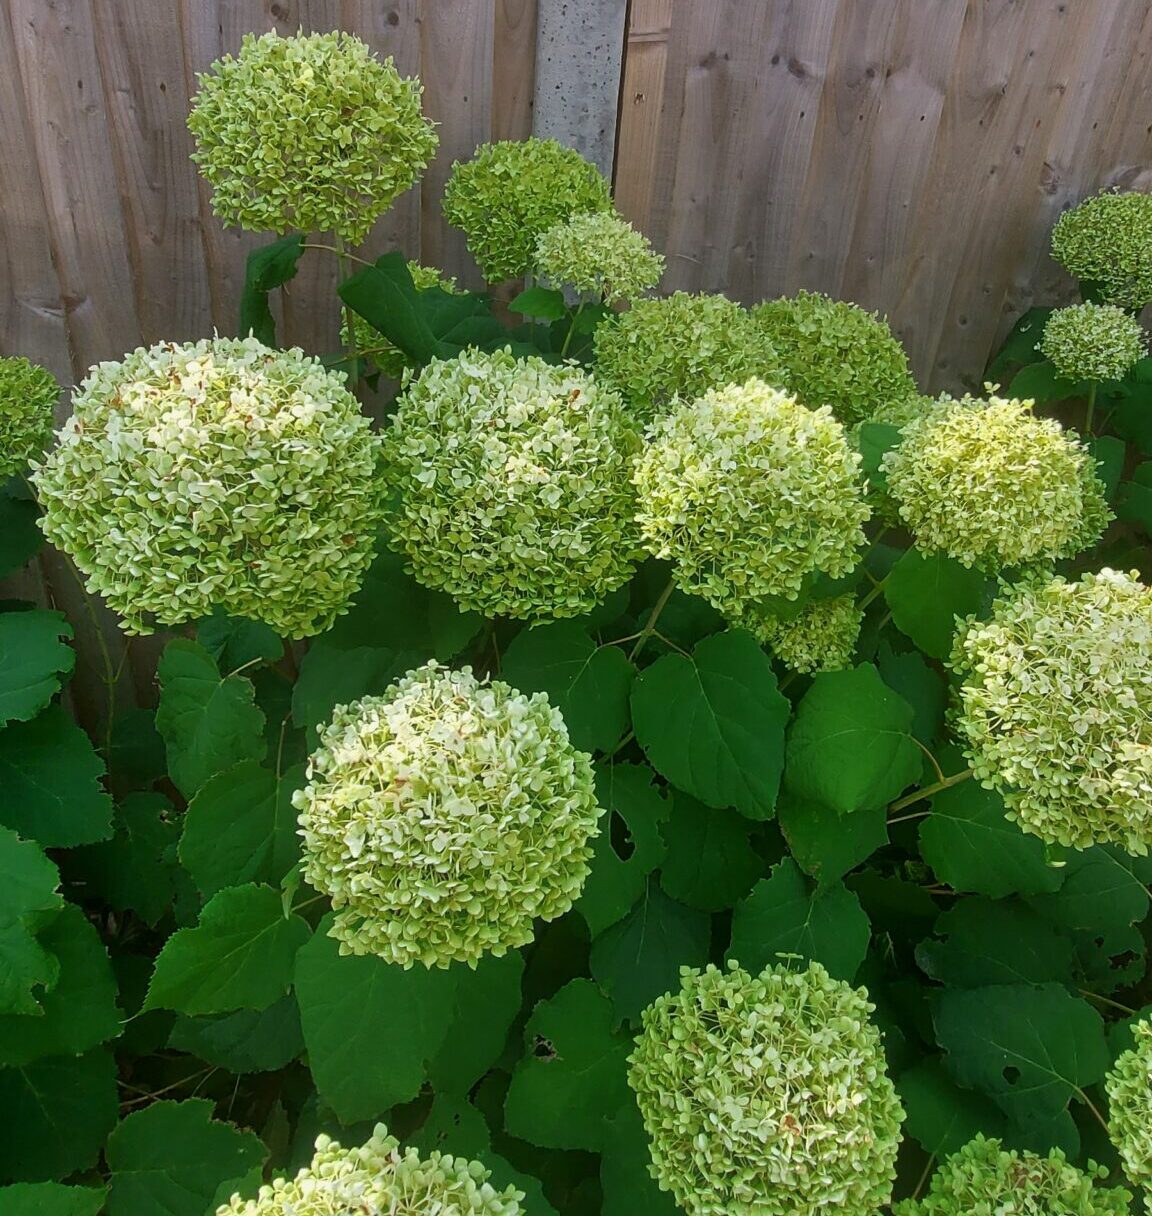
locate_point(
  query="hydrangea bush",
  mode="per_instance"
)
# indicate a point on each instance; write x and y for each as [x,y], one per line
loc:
[28,394]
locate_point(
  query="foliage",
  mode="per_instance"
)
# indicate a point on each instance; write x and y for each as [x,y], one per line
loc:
[1106,242]
[28,394]
[599,254]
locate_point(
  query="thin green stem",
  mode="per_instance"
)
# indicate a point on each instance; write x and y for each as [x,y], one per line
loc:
[620,746]
[669,643]
[906,818]
[927,791]
[571,330]
[650,624]
[876,592]
[349,316]
[351,257]
[1092,1107]
[1091,410]
[1107,1000]
[923,1177]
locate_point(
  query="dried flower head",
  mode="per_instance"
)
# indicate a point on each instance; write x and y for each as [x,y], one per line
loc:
[309,133]
[599,254]
[767,1094]
[1129,1089]
[1107,242]
[1056,707]
[821,637]
[444,817]
[512,482]
[510,193]
[28,394]
[1093,341]
[217,474]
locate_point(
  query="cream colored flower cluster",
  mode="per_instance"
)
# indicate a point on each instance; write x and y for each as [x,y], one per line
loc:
[1093,341]
[599,254]
[1129,1089]
[28,394]
[1107,242]
[821,637]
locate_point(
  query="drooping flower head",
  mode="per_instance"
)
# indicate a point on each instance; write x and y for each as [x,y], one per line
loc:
[983,1177]
[750,494]
[821,637]
[599,254]
[512,481]
[510,193]
[444,817]
[834,353]
[679,347]
[215,475]
[28,394]
[1093,341]
[376,1178]
[1129,1089]
[310,133]
[993,486]
[1107,242]
[1056,707]
[767,1094]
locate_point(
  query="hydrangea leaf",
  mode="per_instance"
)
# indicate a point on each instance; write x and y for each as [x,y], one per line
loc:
[209,722]
[1110,455]
[926,592]
[20,538]
[825,844]
[330,676]
[1100,890]
[26,970]
[920,685]
[33,657]
[235,642]
[571,1078]
[51,1199]
[787,914]
[939,1115]
[713,723]
[246,1041]
[174,1158]
[1020,346]
[238,956]
[28,879]
[1040,382]
[710,862]
[268,267]
[850,745]
[544,303]
[629,1188]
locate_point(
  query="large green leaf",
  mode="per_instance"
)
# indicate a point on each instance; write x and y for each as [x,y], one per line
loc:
[235,642]
[268,267]
[710,862]
[825,844]
[1021,345]
[629,1189]
[939,1115]
[27,970]
[28,879]
[1101,890]
[32,660]
[245,1041]
[926,592]
[330,676]
[20,538]
[51,1199]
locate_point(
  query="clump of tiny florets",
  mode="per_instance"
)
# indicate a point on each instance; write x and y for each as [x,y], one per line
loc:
[834,353]
[1093,341]
[379,1178]
[993,486]
[900,411]
[767,1094]
[599,254]
[1129,1089]
[750,494]
[512,482]
[216,475]
[679,347]
[309,133]
[821,637]
[984,1179]
[1056,708]
[1107,242]
[444,817]
[510,193]
[28,394]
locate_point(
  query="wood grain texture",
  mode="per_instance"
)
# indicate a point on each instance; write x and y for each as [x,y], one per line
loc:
[641,95]
[513,68]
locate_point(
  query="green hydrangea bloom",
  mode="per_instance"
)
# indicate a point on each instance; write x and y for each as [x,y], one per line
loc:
[994,486]
[1093,341]
[599,254]
[1056,707]
[984,1179]
[444,816]
[834,353]
[309,133]
[217,474]
[750,494]
[900,411]
[1107,241]
[512,482]
[510,193]
[767,1095]
[821,637]
[28,394]
[380,1178]
[1129,1089]
[679,347]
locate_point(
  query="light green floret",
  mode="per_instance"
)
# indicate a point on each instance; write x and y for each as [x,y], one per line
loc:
[599,254]
[444,817]
[1107,242]
[380,1178]
[993,486]
[1129,1088]
[822,637]
[750,494]
[1093,341]
[984,1179]
[512,482]
[834,353]
[767,1095]
[510,193]
[1056,708]
[680,347]
[28,394]
[216,475]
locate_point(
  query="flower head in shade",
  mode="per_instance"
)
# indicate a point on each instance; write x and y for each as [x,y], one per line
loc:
[767,1094]
[444,817]
[28,394]
[821,637]
[1129,1088]
[599,254]
[1093,341]
[216,475]
[309,133]
[1107,242]
[1056,707]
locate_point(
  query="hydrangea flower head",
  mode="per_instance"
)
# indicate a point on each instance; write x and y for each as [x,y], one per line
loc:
[444,817]
[750,494]
[679,347]
[834,353]
[821,637]
[992,485]
[512,481]
[1129,1089]
[983,1177]
[1093,341]
[376,1178]
[767,1094]
[1107,241]
[216,474]
[28,394]
[510,193]
[310,133]
[599,254]
[1056,707]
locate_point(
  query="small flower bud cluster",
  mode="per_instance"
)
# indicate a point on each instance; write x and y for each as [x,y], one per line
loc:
[821,637]
[1093,341]
[599,254]
[1107,242]
[28,394]
[1129,1089]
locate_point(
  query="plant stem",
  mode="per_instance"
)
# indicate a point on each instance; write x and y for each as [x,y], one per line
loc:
[1092,1107]
[571,330]
[111,676]
[349,315]
[877,590]
[351,257]
[650,624]
[1091,409]
[928,790]
[1107,1000]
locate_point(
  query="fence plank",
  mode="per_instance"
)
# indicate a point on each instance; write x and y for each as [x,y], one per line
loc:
[513,68]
